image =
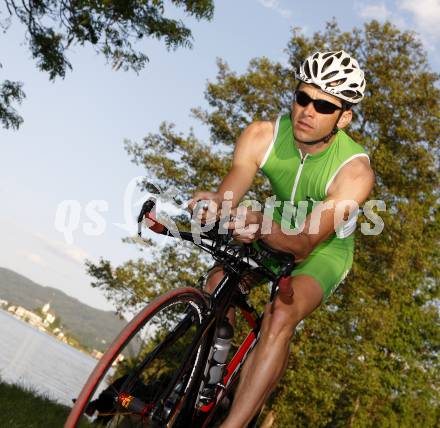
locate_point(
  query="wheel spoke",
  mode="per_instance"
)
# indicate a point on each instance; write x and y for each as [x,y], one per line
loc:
[157,357]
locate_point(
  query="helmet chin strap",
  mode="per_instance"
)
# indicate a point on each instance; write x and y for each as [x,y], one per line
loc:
[325,139]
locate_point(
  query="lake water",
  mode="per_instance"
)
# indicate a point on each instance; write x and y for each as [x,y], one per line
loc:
[33,358]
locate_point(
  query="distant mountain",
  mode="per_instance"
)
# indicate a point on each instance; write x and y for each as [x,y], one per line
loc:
[89,325]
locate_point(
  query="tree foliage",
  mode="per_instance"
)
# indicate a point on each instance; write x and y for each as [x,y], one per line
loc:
[369,358]
[115,29]
[10,92]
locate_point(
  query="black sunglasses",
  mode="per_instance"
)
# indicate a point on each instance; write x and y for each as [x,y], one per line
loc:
[321,106]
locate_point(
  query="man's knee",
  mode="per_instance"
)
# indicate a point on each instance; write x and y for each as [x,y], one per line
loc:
[287,314]
[283,323]
[215,275]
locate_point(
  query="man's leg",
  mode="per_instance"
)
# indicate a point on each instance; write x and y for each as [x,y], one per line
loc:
[215,275]
[267,362]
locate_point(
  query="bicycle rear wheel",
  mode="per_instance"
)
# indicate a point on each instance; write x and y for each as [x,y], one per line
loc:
[143,379]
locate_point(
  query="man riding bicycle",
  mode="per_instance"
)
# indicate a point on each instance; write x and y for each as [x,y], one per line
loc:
[310,162]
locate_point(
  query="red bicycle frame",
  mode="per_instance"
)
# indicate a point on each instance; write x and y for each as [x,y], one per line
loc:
[234,365]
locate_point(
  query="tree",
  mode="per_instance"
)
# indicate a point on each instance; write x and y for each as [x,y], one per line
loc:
[370,356]
[114,28]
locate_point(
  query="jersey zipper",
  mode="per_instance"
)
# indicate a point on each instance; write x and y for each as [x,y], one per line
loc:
[298,175]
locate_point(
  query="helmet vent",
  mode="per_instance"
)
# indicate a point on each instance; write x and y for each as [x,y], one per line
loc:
[329,75]
[345,62]
[307,70]
[352,94]
[327,64]
[315,68]
[325,56]
[338,82]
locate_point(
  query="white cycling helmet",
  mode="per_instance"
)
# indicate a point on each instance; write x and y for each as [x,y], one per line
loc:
[335,73]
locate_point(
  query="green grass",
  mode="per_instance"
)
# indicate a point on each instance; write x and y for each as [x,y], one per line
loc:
[22,407]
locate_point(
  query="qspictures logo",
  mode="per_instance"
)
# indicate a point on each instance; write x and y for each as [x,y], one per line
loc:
[72,217]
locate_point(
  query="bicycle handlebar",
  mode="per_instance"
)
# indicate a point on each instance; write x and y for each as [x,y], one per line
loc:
[218,245]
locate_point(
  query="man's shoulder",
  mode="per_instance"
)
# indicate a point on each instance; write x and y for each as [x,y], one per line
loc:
[354,182]
[348,145]
[254,142]
[261,129]
[358,167]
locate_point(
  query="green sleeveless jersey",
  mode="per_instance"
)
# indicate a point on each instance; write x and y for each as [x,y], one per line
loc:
[296,177]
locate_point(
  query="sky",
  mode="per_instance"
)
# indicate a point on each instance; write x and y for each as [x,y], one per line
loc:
[67,187]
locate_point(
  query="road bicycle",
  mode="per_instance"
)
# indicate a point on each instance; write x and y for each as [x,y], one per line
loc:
[164,369]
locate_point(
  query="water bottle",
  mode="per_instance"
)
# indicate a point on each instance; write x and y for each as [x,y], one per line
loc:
[222,344]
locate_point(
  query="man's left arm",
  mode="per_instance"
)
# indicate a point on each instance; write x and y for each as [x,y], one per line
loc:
[349,190]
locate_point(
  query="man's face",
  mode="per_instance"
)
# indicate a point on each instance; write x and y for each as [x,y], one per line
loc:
[308,124]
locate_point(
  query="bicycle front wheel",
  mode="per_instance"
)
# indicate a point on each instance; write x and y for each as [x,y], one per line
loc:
[144,378]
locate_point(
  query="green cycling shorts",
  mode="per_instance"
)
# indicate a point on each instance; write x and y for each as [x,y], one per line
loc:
[329,263]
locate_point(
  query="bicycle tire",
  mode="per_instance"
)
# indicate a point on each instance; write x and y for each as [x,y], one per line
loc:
[185,307]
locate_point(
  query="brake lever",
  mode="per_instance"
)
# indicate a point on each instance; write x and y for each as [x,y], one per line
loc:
[147,207]
[156,227]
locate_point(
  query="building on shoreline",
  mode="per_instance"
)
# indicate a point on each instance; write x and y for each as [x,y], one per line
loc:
[42,322]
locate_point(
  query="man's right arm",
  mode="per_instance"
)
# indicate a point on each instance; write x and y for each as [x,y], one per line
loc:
[249,151]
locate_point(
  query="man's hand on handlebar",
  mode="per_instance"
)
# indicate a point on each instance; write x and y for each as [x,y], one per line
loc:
[246,224]
[206,206]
